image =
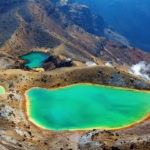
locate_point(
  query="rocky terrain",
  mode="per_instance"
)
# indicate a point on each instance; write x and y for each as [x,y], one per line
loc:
[17,132]
[74,38]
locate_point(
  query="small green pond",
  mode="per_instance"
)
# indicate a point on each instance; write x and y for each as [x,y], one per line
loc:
[86,106]
[34,59]
[2,90]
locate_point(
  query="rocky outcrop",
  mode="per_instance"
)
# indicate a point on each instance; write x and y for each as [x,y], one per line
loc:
[106,140]
[54,62]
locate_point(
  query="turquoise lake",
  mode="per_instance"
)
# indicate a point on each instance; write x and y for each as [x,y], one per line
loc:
[34,59]
[86,106]
[2,90]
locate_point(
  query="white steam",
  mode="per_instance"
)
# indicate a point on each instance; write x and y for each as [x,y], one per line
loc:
[109,64]
[141,69]
[90,64]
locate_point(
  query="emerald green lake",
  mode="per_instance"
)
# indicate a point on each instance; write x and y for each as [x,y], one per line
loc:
[86,106]
[34,59]
[2,90]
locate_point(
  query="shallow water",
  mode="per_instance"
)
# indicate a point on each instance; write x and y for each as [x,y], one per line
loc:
[34,59]
[86,106]
[2,90]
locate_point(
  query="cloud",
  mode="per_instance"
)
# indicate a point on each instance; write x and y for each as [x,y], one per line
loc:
[141,69]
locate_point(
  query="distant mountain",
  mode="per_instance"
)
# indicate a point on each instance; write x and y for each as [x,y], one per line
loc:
[130,18]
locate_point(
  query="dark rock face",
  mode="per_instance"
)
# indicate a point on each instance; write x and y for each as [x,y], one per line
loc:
[117,80]
[140,84]
[84,18]
[55,62]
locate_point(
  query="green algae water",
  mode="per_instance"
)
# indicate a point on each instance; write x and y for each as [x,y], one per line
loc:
[34,59]
[86,106]
[2,90]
